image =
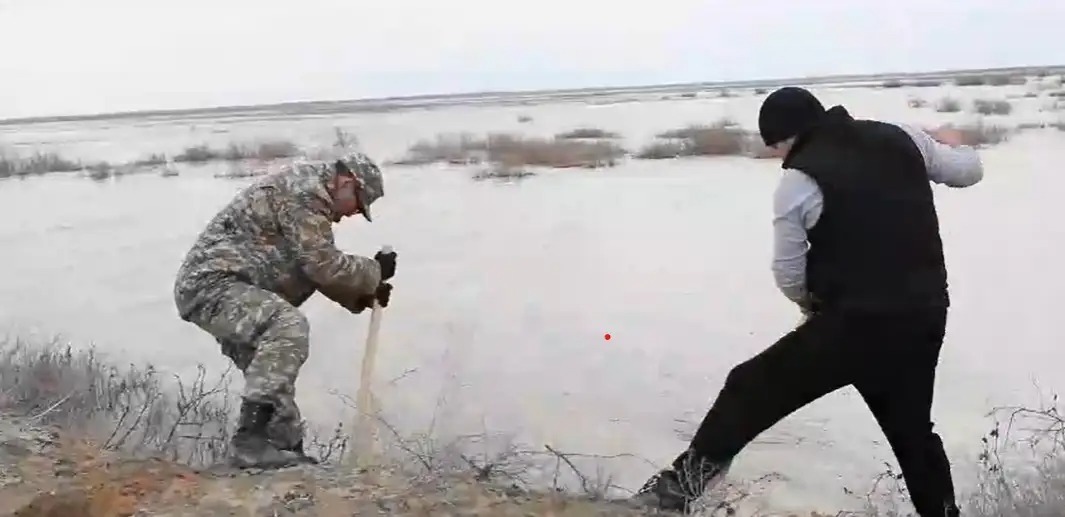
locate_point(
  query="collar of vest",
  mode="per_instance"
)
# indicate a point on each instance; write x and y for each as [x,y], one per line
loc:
[834,117]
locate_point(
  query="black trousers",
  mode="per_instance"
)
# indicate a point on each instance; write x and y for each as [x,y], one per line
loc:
[889,357]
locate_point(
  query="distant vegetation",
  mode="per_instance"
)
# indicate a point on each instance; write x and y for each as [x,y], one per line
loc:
[722,138]
[12,164]
[948,105]
[269,150]
[511,154]
[587,132]
[508,154]
[38,163]
[989,80]
[915,83]
[510,151]
[992,107]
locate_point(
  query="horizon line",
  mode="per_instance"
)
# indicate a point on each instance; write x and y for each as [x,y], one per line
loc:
[544,92]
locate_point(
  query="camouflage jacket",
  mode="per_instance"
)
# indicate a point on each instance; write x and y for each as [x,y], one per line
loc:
[277,235]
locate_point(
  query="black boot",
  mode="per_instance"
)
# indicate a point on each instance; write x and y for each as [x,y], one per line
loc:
[250,447]
[676,489]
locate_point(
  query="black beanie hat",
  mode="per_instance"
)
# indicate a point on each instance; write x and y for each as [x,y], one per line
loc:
[787,112]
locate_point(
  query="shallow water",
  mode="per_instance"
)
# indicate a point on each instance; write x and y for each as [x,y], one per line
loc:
[505,291]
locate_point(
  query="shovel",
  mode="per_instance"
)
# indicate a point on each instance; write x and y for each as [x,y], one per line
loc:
[365,402]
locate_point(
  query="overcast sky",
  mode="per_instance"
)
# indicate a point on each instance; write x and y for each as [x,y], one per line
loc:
[90,56]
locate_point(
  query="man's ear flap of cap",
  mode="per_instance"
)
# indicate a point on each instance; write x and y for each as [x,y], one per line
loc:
[340,166]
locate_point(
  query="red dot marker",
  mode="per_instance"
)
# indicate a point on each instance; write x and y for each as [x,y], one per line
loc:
[606,337]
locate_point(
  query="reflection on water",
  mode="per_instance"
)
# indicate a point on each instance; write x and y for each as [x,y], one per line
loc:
[504,292]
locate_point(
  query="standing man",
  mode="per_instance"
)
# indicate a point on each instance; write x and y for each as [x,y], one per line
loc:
[260,258]
[857,248]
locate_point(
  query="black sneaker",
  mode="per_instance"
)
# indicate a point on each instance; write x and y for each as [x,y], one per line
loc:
[663,491]
[676,489]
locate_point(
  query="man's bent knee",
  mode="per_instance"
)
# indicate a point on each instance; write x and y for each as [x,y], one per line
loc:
[281,350]
[286,340]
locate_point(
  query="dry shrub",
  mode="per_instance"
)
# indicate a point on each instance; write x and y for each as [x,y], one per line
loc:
[948,105]
[716,141]
[989,80]
[38,163]
[586,132]
[661,150]
[723,138]
[915,83]
[513,151]
[267,150]
[925,83]
[971,80]
[133,409]
[449,148]
[1021,470]
[198,153]
[136,411]
[992,107]
[8,165]
[500,172]
[274,149]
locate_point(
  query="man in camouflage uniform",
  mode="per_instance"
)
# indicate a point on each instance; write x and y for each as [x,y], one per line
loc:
[261,257]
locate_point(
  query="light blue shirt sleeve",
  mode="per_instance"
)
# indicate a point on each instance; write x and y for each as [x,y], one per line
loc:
[797,205]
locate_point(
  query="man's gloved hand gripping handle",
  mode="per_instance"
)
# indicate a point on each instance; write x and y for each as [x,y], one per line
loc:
[386,258]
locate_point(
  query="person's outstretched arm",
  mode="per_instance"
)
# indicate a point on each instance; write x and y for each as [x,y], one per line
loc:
[949,162]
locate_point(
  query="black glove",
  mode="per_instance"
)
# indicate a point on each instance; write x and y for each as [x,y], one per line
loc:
[382,295]
[388,264]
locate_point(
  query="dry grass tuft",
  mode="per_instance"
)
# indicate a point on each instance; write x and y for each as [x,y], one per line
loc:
[133,409]
[992,107]
[915,83]
[586,132]
[266,151]
[38,163]
[151,159]
[510,151]
[988,80]
[723,138]
[948,105]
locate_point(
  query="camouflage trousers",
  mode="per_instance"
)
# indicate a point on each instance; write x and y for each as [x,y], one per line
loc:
[268,340]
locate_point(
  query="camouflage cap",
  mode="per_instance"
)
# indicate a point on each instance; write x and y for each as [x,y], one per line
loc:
[369,175]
